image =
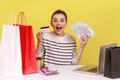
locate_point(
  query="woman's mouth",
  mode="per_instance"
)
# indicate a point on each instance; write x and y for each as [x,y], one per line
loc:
[58,28]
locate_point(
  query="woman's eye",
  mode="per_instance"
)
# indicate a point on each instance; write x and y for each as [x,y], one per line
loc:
[54,21]
[62,20]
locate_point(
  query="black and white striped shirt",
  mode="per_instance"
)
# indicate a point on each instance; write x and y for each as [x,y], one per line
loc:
[58,50]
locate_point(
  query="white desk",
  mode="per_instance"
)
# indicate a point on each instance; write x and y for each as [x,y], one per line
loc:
[65,73]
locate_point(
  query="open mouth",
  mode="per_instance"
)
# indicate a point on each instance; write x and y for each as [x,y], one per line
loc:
[58,28]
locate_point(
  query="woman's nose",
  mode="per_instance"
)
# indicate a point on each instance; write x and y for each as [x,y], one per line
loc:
[58,23]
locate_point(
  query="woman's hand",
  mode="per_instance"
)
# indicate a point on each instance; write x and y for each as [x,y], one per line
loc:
[39,36]
[84,40]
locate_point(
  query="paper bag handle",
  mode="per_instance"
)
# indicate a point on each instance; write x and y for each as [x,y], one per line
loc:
[12,18]
[22,18]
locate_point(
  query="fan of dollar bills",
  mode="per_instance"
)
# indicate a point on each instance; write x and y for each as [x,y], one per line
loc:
[81,29]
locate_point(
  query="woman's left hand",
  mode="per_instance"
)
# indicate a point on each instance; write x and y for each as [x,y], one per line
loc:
[84,40]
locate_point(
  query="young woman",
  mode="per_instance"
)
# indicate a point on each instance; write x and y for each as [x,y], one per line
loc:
[57,47]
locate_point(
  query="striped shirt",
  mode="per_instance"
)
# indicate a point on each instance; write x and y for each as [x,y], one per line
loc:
[58,50]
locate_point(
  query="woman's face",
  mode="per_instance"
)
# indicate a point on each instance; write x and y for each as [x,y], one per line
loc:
[58,23]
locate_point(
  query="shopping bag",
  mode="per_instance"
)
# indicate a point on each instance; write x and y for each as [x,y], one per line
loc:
[27,46]
[10,52]
[112,62]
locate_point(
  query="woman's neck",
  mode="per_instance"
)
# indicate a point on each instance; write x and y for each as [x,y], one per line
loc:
[62,34]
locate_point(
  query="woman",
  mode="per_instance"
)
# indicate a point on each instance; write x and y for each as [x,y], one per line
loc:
[57,47]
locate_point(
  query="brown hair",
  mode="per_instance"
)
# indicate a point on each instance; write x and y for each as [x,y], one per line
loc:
[59,12]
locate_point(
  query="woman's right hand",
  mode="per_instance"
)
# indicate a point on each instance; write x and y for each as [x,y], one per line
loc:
[39,36]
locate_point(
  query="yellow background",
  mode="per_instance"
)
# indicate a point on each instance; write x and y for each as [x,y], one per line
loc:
[102,15]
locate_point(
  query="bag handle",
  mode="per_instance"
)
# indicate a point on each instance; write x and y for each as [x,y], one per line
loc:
[12,18]
[22,18]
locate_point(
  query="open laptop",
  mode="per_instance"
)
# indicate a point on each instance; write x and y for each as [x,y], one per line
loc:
[93,69]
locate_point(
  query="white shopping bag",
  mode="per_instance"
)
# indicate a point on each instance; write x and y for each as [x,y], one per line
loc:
[10,52]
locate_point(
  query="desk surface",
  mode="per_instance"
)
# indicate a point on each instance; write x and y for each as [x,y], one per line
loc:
[65,73]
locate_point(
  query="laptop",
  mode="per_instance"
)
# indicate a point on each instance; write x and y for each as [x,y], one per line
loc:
[93,69]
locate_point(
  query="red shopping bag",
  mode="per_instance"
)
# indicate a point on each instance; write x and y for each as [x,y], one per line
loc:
[27,46]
